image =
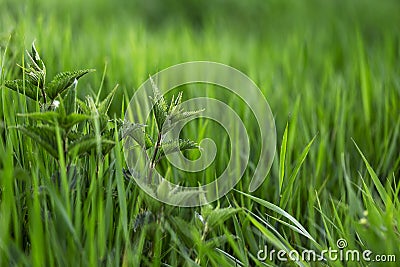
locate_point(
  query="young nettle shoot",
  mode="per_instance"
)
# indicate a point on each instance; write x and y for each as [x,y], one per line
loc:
[35,86]
[167,117]
[79,126]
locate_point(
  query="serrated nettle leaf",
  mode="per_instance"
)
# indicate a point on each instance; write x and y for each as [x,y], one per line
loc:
[48,116]
[217,216]
[177,116]
[86,144]
[74,135]
[136,132]
[160,108]
[218,241]
[63,80]
[55,118]
[44,135]
[184,196]
[72,119]
[160,115]
[89,107]
[177,145]
[148,141]
[186,228]
[22,87]
[175,103]
[158,97]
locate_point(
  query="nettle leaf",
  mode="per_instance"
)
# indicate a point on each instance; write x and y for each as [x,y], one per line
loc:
[22,87]
[63,80]
[177,116]
[54,118]
[86,144]
[184,196]
[158,97]
[73,136]
[48,117]
[107,146]
[187,229]
[44,135]
[148,141]
[218,241]
[73,119]
[177,145]
[160,107]
[218,215]
[160,115]
[175,103]
[136,132]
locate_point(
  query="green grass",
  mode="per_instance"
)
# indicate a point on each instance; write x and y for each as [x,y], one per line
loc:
[329,71]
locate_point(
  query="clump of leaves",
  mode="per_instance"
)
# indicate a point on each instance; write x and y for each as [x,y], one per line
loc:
[34,84]
[167,116]
[57,127]
[193,235]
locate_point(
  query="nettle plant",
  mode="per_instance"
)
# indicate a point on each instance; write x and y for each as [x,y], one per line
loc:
[166,116]
[194,234]
[57,127]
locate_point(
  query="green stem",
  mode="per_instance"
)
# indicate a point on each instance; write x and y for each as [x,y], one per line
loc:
[154,157]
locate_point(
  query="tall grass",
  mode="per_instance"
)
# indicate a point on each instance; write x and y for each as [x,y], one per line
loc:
[330,74]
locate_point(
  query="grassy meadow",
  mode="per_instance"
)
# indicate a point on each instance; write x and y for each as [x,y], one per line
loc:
[330,71]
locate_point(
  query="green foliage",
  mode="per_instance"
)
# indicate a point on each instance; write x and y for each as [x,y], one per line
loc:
[62,81]
[23,87]
[172,146]
[43,135]
[337,76]
[62,115]
[167,116]
[34,85]
[136,132]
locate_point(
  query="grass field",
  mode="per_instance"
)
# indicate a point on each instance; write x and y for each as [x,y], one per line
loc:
[329,70]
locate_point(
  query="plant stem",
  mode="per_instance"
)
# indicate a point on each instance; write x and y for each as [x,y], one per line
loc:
[203,237]
[154,157]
